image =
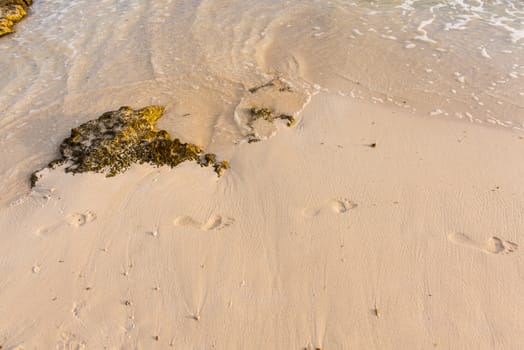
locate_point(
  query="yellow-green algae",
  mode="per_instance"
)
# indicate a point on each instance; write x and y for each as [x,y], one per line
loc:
[11,12]
[268,115]
[113,142]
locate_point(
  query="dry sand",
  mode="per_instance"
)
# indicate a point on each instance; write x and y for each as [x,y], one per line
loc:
[313,239]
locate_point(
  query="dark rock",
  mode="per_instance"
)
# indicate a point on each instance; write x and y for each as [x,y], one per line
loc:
[113,142]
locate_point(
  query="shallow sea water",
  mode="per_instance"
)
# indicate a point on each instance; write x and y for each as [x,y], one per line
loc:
[70,61]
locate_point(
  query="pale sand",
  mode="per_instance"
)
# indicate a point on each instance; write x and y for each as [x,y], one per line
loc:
[311,239]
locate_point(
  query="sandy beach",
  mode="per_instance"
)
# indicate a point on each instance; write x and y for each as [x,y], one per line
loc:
[373,222]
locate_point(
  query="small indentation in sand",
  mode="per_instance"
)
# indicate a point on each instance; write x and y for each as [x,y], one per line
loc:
[215,222]
[341,206]
[80,219]
[496,245]
[336,205]
[310,212]
[70,341]
[186,221]
[492,245]
[17,347]
[44,230]
[153,233]
[76,310]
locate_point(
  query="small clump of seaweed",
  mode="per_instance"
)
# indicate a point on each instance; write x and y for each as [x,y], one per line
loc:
[279,83]
[268,115]
[11,12]
[113,142]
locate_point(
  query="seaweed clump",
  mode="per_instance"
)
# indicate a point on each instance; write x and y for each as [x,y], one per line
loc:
[11,12]
[113,142]
[266,114]
[278,83]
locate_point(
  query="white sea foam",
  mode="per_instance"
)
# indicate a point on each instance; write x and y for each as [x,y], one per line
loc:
[424,34]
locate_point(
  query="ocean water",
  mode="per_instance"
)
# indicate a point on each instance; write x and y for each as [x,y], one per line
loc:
[70,61]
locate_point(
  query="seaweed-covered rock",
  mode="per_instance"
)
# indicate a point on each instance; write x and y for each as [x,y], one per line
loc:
[11,12]
[113,142]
